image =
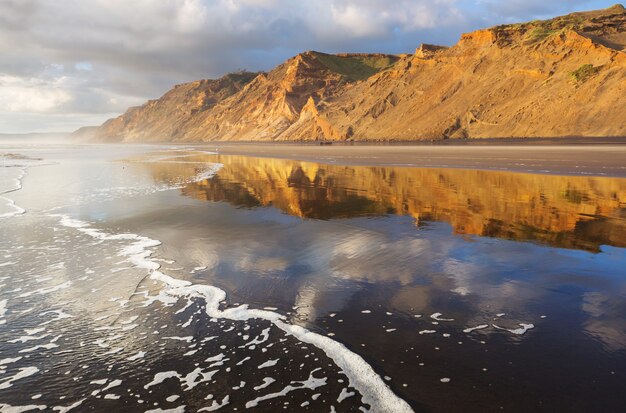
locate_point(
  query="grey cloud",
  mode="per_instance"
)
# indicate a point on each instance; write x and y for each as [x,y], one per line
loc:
[523,10]
[138,50]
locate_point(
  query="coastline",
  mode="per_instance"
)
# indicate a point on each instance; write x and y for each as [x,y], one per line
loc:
[603,160]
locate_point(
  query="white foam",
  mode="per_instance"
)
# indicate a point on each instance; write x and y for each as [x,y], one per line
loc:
[23,373]
[518,331]
[437,316]
[10,209]
[189,381]
[480,327]
[215,405]
[6,361]
[41,346]
[360,374]
[161,377]
[114,383]
[244,360]
[48,290]
[3,310]
[345,393]
[187,339]
[311,383]
[196,377]
[60,315]
[219,357]
[208,173]
[179,409]
[261,338]
[269,363]
[266,382]
[24,339]
[7,408]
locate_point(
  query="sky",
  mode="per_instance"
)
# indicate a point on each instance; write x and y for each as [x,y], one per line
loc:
[71,63]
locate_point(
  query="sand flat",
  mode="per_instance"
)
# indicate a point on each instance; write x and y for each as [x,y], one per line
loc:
[589,159]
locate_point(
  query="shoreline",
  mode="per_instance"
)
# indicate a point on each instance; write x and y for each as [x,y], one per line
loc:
[555,141]
[607,160]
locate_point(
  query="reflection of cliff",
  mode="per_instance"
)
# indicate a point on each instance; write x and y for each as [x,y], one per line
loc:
[563,211]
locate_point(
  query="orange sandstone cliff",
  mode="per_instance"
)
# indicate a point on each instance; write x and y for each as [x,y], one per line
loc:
[555,78]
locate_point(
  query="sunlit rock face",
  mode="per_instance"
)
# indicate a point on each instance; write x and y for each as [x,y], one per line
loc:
[556,78]
[168,118]
[562,211]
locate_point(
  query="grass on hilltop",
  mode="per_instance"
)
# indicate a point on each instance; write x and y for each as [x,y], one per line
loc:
[356,67]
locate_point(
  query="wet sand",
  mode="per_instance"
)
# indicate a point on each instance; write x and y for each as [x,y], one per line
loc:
[593,160]
[137,278]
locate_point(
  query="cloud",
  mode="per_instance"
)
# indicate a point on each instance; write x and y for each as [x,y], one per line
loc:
[31,94]
[110,54]
[523,10]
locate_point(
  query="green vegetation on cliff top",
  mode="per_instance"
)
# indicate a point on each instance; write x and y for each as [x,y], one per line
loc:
[356,66]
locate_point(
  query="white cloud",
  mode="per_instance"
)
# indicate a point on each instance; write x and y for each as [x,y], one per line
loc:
[113,52]
[191,16]
[19,94]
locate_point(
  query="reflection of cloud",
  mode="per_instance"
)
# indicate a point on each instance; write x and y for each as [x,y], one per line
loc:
[318,265]
[462,274]
[606,319]
[305,305]
[263,264]
[372,257]
[417,298]
[202,256]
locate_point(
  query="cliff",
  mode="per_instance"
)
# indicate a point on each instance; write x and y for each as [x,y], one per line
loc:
[168,117]
[555,78]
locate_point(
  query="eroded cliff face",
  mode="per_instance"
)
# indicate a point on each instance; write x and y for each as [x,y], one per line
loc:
[269,105]
[556,78]
[541,79]
[169,117]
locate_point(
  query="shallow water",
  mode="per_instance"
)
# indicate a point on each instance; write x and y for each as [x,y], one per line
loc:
[136,277]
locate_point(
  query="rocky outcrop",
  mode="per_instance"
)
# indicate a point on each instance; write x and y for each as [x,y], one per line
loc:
[555,78]
[168,118]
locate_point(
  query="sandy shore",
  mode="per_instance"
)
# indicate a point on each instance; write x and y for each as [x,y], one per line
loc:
[594,160]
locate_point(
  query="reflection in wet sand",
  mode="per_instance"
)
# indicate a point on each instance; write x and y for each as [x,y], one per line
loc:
[562,211]
[450,323]
[571,212]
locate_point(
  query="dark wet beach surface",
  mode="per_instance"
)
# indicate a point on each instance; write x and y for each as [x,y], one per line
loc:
[398,264]
[543,156]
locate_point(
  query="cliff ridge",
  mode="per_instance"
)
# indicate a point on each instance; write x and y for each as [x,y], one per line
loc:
[555,78]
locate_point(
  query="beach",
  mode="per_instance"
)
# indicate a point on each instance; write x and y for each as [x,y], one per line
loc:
[312,278]
[607,159]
